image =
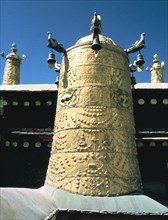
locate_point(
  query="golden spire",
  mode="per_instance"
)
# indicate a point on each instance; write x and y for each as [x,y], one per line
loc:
[156,70]
[93,149]
[12,67]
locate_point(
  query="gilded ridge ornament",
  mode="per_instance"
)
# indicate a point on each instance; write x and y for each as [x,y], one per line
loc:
[93,149]
[156,70]
[12,67]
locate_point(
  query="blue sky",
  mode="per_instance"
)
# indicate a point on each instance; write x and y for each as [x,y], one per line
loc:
[26,23]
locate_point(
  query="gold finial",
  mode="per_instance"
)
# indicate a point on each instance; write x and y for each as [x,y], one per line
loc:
[12,66]
[155,58]
[156,70]
[14,48]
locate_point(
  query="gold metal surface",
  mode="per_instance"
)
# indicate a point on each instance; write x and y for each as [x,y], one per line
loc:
[12,67]
[93,149]
[156,70]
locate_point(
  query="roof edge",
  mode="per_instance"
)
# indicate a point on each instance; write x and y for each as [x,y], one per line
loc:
[151,86]
[29,87]
[138,204]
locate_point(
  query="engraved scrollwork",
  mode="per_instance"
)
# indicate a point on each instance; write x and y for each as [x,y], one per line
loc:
[93,150]
[121,99]
[69,98]
[72,76]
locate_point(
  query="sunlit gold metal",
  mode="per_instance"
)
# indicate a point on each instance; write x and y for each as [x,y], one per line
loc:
[156,70]
[12,67]
[93,149]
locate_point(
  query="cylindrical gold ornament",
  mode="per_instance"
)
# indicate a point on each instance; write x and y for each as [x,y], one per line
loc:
[12,67]
[12,71]
[93,149]
[157,70]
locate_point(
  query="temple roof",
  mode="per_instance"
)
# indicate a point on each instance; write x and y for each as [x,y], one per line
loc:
[126,204]
[29,87]
[53,87]
[47,201]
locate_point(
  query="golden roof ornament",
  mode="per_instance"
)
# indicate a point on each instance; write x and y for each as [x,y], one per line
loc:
[156,70]
[93,149]
[12,67]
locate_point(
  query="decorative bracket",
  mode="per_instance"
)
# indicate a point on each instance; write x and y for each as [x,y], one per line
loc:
[138,45]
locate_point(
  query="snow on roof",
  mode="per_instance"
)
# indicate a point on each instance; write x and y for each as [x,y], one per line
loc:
[29,87]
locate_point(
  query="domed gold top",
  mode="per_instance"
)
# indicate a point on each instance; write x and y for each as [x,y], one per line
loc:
[105,40]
